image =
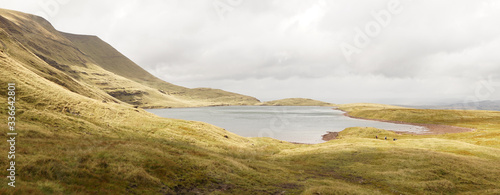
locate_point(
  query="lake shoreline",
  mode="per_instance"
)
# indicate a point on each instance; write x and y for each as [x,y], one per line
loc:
[433,129]
[225,105]
[271,120]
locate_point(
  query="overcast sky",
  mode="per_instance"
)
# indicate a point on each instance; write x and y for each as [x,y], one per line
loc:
[342,51]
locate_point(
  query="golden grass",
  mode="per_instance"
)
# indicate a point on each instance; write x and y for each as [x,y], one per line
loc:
[99,152]
[485,123]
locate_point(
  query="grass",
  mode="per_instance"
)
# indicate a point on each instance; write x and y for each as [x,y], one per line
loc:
[485,123]
[74,138]
[64,153]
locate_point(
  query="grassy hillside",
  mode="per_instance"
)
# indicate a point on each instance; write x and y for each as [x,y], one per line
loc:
[75,138]
[91,61]
[296,102]
[110,59]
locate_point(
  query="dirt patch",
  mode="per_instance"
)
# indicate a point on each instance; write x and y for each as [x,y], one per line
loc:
[133,97]
[330,135]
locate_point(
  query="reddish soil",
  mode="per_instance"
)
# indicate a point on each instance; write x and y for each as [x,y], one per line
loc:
[330,135]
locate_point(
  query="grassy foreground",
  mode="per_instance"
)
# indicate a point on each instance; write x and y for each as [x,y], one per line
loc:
[70,144]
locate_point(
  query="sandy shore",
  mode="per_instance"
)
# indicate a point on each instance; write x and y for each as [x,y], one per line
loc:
[432,129]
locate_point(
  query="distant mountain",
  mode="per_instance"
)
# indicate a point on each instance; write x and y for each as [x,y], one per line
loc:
[89,66]
[481,105]
[296,102]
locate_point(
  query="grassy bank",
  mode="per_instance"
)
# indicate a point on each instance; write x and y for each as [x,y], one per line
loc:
[485,123]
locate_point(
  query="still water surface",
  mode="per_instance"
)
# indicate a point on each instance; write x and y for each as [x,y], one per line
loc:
[304,124]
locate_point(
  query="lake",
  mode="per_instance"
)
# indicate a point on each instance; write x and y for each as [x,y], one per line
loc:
[303,124]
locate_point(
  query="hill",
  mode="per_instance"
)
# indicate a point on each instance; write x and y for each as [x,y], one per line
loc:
[92,62]
[296,102]
[110,59]
[480,105]
[76,138]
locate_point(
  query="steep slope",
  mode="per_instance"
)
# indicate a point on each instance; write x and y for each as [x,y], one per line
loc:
[90,61]
[14,50]
[110,59]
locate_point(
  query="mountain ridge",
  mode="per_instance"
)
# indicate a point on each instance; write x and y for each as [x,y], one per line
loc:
[296,102]
[493,105]
[89,60]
